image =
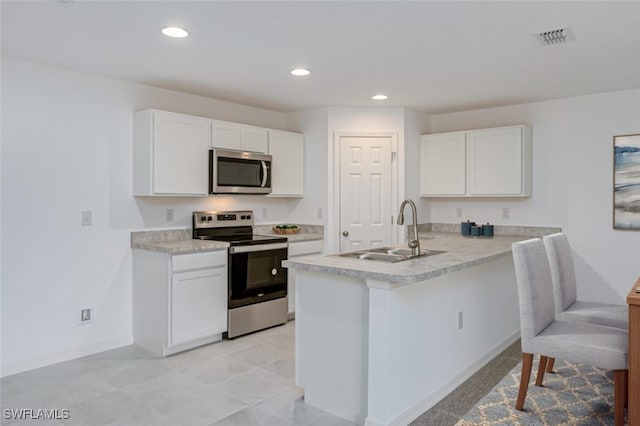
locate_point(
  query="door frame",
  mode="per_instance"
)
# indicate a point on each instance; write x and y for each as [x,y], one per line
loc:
[333,222]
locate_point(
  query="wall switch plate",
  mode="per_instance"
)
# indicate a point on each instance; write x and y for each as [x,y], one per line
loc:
[506,213]
[264,212]
[169,215]
[460,320]
[85,218]
[85,315]
[320,213]
[458,211]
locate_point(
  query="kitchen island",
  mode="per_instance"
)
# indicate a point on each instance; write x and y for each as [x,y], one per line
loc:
[380,343]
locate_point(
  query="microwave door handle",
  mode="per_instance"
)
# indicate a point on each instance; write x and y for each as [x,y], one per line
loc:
[264,174]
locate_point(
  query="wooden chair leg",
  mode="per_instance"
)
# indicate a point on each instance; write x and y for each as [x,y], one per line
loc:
[527,362]
[550,363]
[541,368]
[620,378]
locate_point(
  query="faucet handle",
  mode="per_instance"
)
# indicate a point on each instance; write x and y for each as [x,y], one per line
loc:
[413,244]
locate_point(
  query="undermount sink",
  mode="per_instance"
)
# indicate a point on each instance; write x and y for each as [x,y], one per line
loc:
[388,254]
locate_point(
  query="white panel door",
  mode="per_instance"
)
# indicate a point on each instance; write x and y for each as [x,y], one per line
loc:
[365,192]
[495,161]
[180,154]
[198,305]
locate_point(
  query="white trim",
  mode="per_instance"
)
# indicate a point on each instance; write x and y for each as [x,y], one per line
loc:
[397,183]
[54,358]
[428,401]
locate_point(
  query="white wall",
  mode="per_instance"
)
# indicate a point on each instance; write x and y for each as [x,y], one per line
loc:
[572,182]
[66,147]
[415,124]
[359,120]
[314,124]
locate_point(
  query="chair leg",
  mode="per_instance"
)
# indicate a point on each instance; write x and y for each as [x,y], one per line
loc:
[527,362]
[620,394]
[541,368]
[550,365]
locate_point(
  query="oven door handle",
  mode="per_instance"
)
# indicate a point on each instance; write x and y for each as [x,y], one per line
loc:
[257,247]
[264,174]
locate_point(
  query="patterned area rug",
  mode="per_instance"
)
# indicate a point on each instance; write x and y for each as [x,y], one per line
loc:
[574,395]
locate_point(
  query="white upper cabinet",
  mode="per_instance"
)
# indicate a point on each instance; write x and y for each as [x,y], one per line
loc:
[443,164]
[170,154]
[225,135]
[287,151]
[477,163]
[499,162]
[239,137]
[254,139]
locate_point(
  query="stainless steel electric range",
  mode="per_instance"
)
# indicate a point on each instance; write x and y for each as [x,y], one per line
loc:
[257,281]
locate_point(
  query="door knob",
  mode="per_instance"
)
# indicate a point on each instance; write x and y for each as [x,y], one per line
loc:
[345,233]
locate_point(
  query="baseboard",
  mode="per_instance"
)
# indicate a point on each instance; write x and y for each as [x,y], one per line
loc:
[54,358]
[440,393]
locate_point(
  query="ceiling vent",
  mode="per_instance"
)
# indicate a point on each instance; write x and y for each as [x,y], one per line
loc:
[556,36]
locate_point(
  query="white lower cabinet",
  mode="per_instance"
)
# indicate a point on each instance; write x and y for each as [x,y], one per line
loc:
[297,249]
[198,304]
[179,301]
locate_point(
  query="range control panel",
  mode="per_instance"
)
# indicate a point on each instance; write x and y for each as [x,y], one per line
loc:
[216,219]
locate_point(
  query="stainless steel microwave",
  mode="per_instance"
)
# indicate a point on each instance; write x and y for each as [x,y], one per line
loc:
[239,172]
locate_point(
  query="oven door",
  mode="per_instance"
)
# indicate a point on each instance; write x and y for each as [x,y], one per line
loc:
[256,273]
[238,172]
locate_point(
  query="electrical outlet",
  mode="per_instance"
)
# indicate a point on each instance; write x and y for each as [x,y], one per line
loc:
[320,213]
[506,213]
[458,211]
[85,218]
[460,320]
[169,215]
[85,315]
[264,212]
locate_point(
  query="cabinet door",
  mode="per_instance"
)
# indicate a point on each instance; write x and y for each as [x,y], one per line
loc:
[198,305]
[303,248]
[287,150]
[495,162]
[442,164]
[253,139]
[180,161]
[225,135]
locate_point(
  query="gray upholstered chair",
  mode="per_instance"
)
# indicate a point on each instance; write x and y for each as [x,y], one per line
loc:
[565,292]
[541,333]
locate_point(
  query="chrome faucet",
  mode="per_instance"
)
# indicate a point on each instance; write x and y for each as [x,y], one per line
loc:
[414,244]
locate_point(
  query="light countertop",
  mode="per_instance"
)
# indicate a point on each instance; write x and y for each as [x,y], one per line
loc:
[179,241]
[461,253]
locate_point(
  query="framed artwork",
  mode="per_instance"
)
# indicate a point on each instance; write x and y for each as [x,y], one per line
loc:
[626,182]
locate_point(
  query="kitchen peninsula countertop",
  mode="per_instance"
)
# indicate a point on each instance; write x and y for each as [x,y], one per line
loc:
[179,241]
[461,253]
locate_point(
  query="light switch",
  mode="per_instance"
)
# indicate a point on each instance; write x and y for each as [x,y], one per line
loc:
[85,218]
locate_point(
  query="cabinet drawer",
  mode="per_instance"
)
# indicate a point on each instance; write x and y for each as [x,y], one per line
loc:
[305,247]
[207,259]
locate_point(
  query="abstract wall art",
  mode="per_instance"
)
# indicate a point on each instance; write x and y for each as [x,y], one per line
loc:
[626,182]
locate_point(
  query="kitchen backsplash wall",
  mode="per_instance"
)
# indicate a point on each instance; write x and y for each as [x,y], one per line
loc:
[572,183]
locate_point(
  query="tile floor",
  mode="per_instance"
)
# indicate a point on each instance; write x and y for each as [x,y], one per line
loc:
[246,381]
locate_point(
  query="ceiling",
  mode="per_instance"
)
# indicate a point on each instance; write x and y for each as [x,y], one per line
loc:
[431,56]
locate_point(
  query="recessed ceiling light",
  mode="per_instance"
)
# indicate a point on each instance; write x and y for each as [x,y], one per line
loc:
[175,32]
[380,97]
[300,72]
